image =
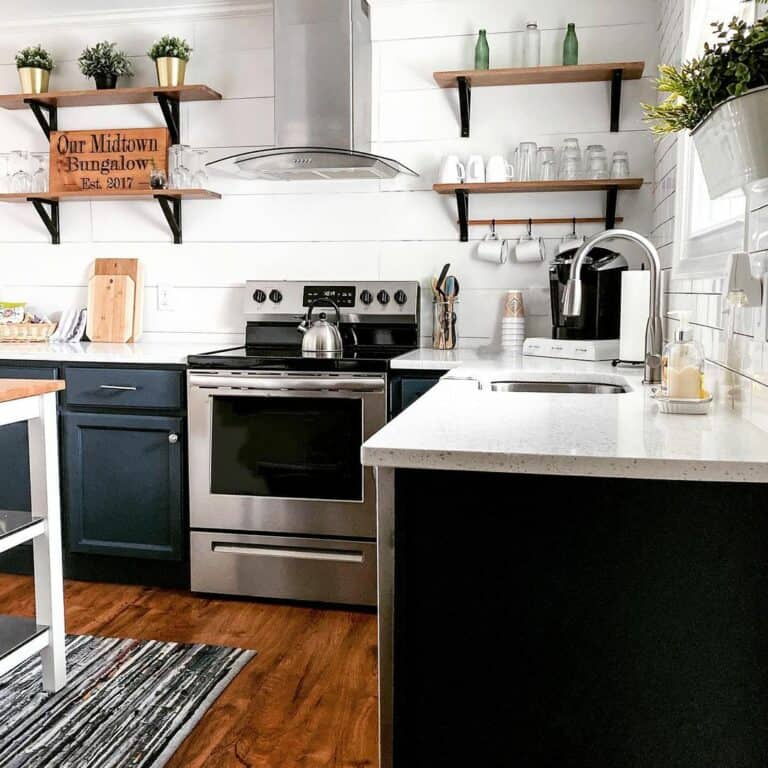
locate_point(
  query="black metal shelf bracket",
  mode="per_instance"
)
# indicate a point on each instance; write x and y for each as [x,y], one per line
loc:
[51,220]
[48,122]
[462,203]
[611,198]
[465,104]
[172,209]
[170,107]
[617,79]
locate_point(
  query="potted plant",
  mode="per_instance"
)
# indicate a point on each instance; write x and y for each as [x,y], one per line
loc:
[722,99]
[104,62]
[34,64]
[170,55]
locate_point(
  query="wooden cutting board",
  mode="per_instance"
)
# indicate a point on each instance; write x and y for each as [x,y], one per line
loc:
[134,269]
[110,308]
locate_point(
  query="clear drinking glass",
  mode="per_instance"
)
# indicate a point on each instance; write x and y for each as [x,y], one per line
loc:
[547,170]
[179,174]
[5,179]
[40,176]
[21,181]
[571,167]
[525,161]
[199,175]
[597,164]
[620,165]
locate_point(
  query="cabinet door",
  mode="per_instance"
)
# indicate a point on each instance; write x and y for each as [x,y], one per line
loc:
[408,389]
[123,480]
[14,447]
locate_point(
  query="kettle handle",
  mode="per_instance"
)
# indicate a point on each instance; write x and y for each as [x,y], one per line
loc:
[323,300]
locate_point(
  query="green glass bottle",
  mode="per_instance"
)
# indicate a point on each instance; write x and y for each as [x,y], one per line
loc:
[571,47]
[482,53]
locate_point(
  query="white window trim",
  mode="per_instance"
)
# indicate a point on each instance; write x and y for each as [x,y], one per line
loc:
[720,241]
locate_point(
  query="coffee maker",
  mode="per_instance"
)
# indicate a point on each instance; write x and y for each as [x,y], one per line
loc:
[601,295]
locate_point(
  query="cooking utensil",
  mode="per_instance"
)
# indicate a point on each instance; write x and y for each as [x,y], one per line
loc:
[441,281]
[321,337]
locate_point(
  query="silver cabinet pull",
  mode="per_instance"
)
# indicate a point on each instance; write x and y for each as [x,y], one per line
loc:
[118,388]
[173,438]
[297,553]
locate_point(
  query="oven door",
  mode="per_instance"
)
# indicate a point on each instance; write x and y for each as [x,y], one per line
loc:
[280,453]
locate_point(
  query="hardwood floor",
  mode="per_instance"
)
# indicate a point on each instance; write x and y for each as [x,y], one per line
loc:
[308,700]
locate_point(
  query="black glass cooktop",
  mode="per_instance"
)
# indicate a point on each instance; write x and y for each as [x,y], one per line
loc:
[363,359]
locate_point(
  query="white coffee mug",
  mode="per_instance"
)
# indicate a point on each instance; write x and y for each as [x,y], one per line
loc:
[475,169]
[452,170]
[530,249]
[498,169]
[493,249]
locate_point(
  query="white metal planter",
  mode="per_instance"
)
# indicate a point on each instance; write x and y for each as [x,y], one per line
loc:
[733,142]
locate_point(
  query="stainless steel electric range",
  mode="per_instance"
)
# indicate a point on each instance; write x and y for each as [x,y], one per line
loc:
[280,505]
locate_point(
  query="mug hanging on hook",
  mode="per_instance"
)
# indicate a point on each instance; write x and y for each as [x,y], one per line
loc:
[530,248]
[571,240]
[491,248]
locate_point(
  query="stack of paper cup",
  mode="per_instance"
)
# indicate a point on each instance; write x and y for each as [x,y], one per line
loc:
[513,322]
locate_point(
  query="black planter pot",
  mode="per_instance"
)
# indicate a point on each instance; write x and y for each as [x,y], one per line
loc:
[105,82]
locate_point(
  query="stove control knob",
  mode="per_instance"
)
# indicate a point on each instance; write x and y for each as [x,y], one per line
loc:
[259,296]
[383,297]
[366,297]
[275,296]
[400,297]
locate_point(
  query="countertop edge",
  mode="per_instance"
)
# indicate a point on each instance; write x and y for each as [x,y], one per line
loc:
[582,466]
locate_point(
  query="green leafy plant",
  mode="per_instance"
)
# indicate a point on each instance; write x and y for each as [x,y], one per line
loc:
[34,56]
[172,47]
[733,65]
[104,59]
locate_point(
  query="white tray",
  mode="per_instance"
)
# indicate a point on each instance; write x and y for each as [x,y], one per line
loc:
[686,406]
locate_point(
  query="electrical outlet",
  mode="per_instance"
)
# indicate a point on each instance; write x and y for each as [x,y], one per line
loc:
[164,297]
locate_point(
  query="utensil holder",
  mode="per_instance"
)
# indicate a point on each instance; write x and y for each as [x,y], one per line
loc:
[444,334]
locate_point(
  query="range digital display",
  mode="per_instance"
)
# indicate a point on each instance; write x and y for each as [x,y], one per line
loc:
[343,295]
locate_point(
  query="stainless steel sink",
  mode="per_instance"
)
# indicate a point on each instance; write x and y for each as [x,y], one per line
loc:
[560,387]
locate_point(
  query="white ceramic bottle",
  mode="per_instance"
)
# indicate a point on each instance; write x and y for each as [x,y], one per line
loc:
[683,363]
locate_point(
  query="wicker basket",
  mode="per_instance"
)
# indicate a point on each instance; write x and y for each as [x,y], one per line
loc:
[19,332]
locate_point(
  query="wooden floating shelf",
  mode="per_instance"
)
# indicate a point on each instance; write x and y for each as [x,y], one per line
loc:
[504,187]
[96,98]
[463,191]
[614,73]
[581,73]
[130,194]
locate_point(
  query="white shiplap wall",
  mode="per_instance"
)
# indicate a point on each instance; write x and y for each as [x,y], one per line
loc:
[742,354]
[397,229]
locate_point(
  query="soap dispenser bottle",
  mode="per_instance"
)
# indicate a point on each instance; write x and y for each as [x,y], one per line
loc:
[683,363]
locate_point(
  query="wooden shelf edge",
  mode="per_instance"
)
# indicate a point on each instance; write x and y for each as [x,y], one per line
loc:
[580,73]
[93,97]
[578,185]
[182,194]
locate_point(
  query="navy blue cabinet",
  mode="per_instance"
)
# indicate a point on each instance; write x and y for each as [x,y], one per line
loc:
[407,387]
[123,484]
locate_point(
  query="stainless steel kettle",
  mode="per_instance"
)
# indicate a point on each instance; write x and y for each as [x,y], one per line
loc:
[321,337]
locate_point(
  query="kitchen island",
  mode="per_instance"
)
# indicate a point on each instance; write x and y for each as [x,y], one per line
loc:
[571,579]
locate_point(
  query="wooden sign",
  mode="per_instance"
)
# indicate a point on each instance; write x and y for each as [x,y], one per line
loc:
[106,162]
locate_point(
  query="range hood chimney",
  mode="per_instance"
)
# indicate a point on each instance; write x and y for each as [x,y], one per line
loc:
[323,95]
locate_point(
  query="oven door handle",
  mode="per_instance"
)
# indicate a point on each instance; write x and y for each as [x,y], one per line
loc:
[296,553]
[289,384]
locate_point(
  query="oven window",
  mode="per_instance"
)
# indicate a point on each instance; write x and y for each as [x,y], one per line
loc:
[285,447]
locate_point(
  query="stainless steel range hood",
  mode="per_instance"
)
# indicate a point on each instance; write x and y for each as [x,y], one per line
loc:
[322,97]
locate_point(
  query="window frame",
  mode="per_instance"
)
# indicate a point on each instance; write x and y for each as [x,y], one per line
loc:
[717,242]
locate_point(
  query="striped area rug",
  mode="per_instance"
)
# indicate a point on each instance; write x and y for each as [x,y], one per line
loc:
[126,703]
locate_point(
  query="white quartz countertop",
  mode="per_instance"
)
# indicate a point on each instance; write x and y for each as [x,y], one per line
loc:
[144,352]
[461,425]
[428,359]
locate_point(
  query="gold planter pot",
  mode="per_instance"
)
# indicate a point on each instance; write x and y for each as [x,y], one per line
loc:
[170,71]
[34,79]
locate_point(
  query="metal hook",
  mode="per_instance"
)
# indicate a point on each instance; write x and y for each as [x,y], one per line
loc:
[493,227]
[574,226]
[530,227]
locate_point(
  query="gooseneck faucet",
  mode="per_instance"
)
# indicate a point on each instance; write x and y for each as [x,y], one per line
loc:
[653,333]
